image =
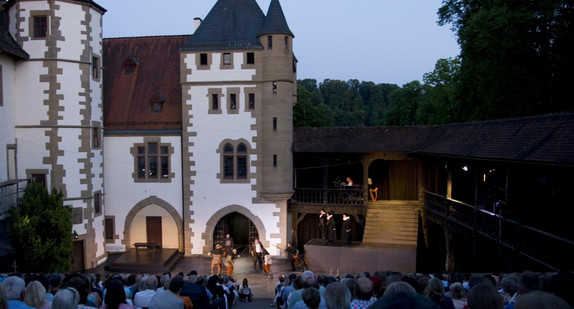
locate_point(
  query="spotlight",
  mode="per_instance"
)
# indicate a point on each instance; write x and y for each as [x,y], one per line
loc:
[76,235]
[465,168]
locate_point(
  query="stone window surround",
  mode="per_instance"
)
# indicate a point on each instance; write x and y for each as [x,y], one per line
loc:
[234,143]
[38,13]
[210,93]
[146,141]
[231,91]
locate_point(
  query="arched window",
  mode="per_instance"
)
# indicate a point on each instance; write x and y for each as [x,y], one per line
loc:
[235,161]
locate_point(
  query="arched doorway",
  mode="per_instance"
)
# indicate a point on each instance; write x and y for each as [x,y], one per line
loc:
[241,229]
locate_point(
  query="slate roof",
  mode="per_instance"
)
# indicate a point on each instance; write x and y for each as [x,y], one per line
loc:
[236,24]
[275,22]
[538,139]
[127,97]
[7,43]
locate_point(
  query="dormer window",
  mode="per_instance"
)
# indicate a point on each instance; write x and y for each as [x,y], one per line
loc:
[157,104]
[130,65]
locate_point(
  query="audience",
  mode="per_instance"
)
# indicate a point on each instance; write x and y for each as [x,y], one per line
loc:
[382,289]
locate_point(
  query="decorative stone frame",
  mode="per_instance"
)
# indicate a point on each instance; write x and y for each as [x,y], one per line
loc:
[231,65]
[234,143]
[134,152]
[198,64]
[38,13]
[236,92]
[210,93]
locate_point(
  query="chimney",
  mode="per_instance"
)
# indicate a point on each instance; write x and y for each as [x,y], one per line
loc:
[197,22]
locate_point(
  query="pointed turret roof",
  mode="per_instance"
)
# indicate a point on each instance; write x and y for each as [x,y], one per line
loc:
[231,24]
[7,43]
[275,22]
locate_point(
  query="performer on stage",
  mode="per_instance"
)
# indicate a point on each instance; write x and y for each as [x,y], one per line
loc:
[373,190]
[346,230]
[229,261]
[331,229]
[257,254]
[322,224]
[228,244]
[216,261]
[293,256]
[267,263]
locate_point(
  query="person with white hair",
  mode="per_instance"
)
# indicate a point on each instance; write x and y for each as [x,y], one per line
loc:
[142,299]
[67,298]
[15,290]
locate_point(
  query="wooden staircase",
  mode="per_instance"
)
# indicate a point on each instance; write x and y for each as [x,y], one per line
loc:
[391,222]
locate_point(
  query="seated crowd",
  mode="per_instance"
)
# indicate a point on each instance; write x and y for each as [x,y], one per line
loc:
[382,289]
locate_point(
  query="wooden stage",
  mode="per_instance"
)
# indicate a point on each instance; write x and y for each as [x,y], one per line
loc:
[147,261]
[357,258]
[319,257]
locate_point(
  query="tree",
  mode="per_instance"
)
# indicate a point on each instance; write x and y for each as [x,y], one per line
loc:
[439,106]
[514,56]
[41,231]
[404,103]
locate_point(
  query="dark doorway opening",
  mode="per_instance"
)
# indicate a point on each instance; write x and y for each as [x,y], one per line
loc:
[239,227]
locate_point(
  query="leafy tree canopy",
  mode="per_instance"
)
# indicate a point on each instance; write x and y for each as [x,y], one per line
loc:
[41,231]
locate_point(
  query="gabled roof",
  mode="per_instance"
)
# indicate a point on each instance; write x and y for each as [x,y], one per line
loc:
[7,43]
[231,24]
[275,22]
[538,139]
[128,97]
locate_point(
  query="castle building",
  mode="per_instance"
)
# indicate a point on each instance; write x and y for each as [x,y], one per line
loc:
[174,140]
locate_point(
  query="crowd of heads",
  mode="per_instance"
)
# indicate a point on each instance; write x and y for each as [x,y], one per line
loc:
[391,289]
[381,289]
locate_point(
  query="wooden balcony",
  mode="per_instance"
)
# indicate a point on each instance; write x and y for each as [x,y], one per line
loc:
[343,196]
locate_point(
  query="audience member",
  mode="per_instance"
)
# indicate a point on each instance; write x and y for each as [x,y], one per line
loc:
[15,291]
[399,286]
[458,295]
[337,296]
[196,292]
[311,298]
[403,299]
[509,286]
[541,300]
[435,292]
[143,298]
[363,294]
[36,296]
[65,298]
[484,296]
[527,283]
[55,282]
[115,297]
[168,299]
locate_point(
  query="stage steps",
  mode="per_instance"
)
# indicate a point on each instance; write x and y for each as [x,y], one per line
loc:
[391,222]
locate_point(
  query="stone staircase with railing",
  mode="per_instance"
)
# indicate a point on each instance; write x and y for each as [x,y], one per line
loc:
[391,223]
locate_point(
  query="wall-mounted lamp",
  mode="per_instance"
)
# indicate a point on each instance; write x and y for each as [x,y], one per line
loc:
[465,168]
[75,235]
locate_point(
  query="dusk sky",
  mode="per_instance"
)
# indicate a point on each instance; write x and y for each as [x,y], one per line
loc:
[383,41]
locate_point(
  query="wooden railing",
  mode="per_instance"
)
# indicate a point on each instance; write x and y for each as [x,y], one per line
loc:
[550,250]
[351,196]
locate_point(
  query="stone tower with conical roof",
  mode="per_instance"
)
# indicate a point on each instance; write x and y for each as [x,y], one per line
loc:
[238,75]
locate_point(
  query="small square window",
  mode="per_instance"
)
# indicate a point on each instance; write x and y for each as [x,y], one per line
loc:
[227,59]
[97,203]
[286,42]
[250,58]
[202,59]
[274,123]
[269,42]
[40,26]
[274,160]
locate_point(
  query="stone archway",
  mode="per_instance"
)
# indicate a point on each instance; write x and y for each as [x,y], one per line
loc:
[217,216]
[152,200]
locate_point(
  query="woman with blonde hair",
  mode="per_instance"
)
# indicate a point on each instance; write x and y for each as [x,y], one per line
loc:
[36,296]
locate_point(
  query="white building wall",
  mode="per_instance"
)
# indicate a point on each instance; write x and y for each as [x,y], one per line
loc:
[123,193]
[209,193]
[7,113]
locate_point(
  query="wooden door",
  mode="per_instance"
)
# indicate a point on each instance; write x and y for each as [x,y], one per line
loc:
[153,230]
[78,255]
